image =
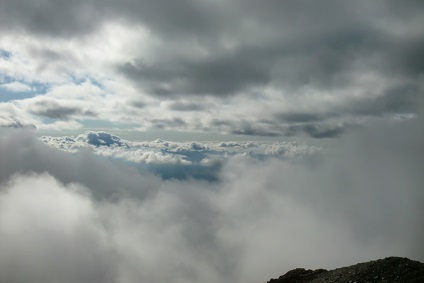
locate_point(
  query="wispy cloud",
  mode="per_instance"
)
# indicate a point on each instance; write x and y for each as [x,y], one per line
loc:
[16,87]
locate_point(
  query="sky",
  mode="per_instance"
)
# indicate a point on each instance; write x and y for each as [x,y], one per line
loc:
[208,141]
[274,69]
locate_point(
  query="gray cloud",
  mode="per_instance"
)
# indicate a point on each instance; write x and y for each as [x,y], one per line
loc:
[249,128]
[51,17]
[399,99]
[22,153]
[285,44]
[218,76]
[183,106]
[11,122]
[138,104]
[52,109]
[319,45]
[290,46]
[364,57]
[59,112]
[167,123]
[240,50]
[320,132]
[299,117]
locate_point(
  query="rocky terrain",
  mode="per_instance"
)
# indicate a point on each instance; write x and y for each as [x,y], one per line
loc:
[391,270]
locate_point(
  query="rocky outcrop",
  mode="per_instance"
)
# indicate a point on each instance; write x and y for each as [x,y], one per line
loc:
[390,270]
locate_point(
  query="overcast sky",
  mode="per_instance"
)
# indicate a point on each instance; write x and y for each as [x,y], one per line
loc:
[208,140]
[261,69]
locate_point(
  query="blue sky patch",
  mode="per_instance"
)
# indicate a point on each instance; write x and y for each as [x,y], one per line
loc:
[5,54]
[7,94]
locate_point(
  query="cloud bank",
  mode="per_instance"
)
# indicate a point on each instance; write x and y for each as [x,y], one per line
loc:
[75,217]
[289,68]
[181,160]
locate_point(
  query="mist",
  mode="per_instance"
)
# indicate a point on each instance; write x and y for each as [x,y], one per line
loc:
[77,217]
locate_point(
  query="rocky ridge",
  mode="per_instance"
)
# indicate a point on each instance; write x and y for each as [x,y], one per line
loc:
[390,270]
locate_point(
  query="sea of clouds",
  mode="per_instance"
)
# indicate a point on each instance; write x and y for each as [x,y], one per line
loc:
[97,208]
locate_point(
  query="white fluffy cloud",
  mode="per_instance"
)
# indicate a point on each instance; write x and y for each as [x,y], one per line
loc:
[178,153]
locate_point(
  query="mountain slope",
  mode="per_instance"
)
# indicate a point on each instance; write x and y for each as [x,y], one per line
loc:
[390,270]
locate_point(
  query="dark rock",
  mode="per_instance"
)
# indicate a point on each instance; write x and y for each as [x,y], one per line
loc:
[390,270]
[298,275]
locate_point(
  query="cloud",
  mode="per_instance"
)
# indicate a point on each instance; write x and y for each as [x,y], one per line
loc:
[223,75]
[404,98]
[59,126]
[12,116]
[10,121]
[233,68]
[167,123]
[182,106]
[50,233]
[279,49]
[49,18]
[16,87]
[23,153]
[101,138]
[260,218]
[316,131]
[179,158]
[52,109]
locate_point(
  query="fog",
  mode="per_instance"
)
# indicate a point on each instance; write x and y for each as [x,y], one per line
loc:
[77,217]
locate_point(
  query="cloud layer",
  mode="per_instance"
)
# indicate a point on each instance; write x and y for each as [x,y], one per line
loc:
[181,160]
[293,68]
[76,217]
